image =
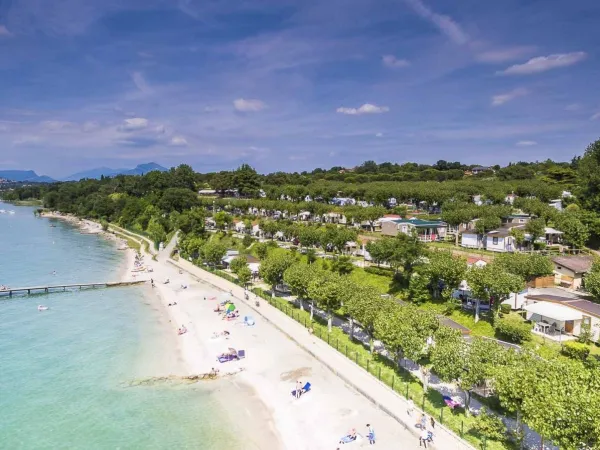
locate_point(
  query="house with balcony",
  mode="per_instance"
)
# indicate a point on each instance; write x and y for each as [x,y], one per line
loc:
[427,230]
[569,271]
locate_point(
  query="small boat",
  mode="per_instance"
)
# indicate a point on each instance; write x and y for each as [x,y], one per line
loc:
[11,212]
[42,308]
[2,211]
[52,226]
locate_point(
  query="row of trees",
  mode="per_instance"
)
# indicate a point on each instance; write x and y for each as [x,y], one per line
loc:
[549,396]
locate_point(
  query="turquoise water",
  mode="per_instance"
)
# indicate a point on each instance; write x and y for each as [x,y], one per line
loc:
[65,373]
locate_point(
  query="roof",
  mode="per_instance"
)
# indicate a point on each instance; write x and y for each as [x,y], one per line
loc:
[420,223]
[579,304]
[481,168]
[550,230]
[578,264]
[554,311]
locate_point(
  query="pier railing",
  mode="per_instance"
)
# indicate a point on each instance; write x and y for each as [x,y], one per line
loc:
[9,292]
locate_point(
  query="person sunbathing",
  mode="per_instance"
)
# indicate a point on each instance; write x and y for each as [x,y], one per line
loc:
[182,330]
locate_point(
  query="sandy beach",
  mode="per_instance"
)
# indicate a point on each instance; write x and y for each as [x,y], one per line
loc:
[269,372]
[256,390]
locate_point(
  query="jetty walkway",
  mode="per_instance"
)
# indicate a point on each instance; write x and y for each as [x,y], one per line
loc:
[9,292]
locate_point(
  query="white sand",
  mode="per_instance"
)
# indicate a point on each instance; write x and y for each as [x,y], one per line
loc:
[271,368]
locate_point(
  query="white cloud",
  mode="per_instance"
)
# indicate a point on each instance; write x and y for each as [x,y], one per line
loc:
[379,135]
[504,54]
[573,107]
[444,23]
[4,31]
[501,99]
[543,63]
[137,123]
[595,116]
[27,140]
[248,105]
[526,143]
[56,125]
[178,141]
[140,82]
[367,108]
[392,61]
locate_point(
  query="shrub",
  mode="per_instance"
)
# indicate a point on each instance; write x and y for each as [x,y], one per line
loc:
[585,335]
[576,350]
[505,308]
[490,426]
[513,329]
[247,241]
[382,271]
[104,225]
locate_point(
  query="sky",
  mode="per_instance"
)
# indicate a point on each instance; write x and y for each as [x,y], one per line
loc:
[295,84]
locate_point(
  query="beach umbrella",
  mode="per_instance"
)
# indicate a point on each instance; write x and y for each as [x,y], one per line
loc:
[230,307]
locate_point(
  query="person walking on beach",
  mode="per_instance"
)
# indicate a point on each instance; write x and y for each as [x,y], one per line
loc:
[432,421]
[371,434]
[423,421]
[423,438]
[298,389]
[411,406]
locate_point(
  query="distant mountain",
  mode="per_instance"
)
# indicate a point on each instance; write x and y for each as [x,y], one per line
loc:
[24,175]
[141,169]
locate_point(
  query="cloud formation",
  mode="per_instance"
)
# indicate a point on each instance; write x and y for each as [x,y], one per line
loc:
[595,116]
[392,61]
[367,108]
[526,143]
[444,23]
[178,141]
[501,99]
[140,82]
[504,54]
[137,123]
[248,105]
[4,31]
[544,63]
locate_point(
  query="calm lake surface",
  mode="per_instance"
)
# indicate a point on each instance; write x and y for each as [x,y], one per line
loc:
[66,373]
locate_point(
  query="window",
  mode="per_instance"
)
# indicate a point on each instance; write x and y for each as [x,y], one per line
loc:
[495,241]
[587,320]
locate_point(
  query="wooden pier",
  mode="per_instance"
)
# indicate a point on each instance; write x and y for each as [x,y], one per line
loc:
[63,287]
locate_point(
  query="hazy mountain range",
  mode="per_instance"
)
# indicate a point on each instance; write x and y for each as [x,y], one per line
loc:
[31,176]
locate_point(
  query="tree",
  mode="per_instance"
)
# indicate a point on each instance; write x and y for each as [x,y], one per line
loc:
[238,263]
[446,272]
[448,353]
[519,235]
[177,199]
[490,426]
[274,266]
[536,229]
[247,241]
[364,304]
[574,231]
[222,220]
[418,287]
[342,265]
[298,276]
[244,275]
[592,280]
[246,181]
[262,250]
[192,221]
[213,252]
[156,230]
[408,251]
[311,255]
[492,283]
[487,223]
[326,290]
[526,266]
[588,177]
[455,216]
[381,251]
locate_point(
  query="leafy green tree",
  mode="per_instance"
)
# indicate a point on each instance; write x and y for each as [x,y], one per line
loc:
[526,266]
[327,291]
[247,241]
[536,229]
[418,287]
[364,305]
[446,272]
[262,250]
[270,227]
[493,284]
[487,223]
[311,255]
[342,265]
[274,266]
[246,181]
[448,354]
[456,215]
[177,199]
[156,230]
[519,235]
[238,263]
[588,177]
[490,426]
[381,251]
[244,275]
[574,231]
[192,221]
[222,220]
[408,252]
[213,252]
[592,280]
[298,276]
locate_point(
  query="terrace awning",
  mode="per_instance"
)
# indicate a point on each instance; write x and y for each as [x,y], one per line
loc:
[554,311]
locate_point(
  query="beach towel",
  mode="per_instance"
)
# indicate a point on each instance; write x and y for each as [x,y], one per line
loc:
[304,389]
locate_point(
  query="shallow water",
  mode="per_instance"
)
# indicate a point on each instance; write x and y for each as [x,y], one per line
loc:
[65,372]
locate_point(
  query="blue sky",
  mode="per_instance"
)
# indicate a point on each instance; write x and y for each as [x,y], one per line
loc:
[295,84]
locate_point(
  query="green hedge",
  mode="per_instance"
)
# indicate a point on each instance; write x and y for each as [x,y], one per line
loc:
[576,350]
[513,329]
[382,271]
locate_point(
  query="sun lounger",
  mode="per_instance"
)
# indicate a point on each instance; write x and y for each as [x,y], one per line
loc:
[348,439]
[227,358]
[304,390]
[451,403]
[241,354]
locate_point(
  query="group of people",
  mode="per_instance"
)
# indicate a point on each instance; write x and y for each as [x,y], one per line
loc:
[351,436]
[426,435]
[3,287]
